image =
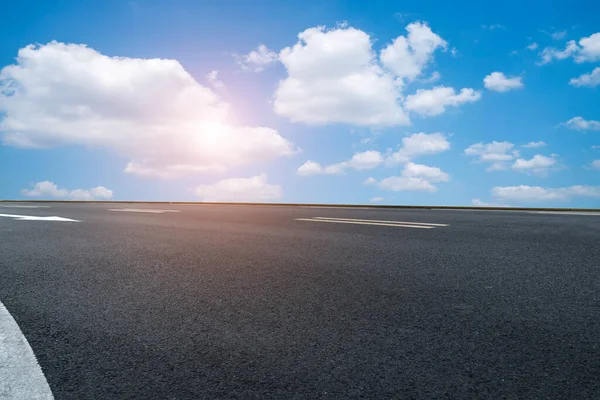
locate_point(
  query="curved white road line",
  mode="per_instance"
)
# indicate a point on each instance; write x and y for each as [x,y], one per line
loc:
[20,374]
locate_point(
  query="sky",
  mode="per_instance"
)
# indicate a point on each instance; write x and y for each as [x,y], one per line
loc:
[353,102]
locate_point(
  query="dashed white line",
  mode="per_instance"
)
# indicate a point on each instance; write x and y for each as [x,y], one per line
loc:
[365,223]
[142,210]
[375,220]
[21,376]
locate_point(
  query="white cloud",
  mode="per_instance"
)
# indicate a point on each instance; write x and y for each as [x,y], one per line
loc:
[257,60]
[408,56]
[149,110]
[596,164]
[213,79]
[254,189]
[496,81]
[539,194]
[556,35]
[434,77]
[497,153]
[402,183]
[365,160]
[534,145]
[377,199]
[414,177]
[432,174]
[580,124]
[49,189]
[415,145]
[590,80]
[480,203]
[498,166]
[434,101]
[596,147]
[538,165]
[359,161]
[586,50]
[532,46]
[419,144]
[333,76]
[314,168]
[559,35]
[494,151]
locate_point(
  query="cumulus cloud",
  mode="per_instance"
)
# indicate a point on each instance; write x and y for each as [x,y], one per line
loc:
[149,110]
[498,82]
[580,124]
[408,56]
[532,46]
[587,49]
[434,101]
[596,164]
[49,189]
[539,194]
[414,177]
[432,174]
[533,145]
[496,153]
[314,168]
[480,203]
[335,76]
[359,161]
[403,183]
[257,60]
[538,165]
[418,144]
[413,146]
[590,80]
[213,79]
[254,189]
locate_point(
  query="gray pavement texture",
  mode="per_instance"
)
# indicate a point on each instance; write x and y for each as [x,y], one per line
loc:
[246,302]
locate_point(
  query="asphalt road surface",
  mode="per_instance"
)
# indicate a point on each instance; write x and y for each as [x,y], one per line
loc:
[258,302]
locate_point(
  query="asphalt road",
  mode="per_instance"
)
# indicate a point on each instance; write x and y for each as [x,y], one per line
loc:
[244,302]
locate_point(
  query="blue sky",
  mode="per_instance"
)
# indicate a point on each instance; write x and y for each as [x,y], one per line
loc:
[313,101]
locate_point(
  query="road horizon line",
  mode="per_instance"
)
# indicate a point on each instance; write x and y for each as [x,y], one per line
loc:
[325,205]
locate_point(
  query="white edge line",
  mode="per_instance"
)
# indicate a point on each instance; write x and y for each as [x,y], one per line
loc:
[375,220]
[365,223]
[21,377]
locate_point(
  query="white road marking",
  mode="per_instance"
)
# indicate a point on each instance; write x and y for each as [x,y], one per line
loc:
[565,213]
[38,218]
[338,207]
[21,376]
[143,210]
[365,223]
[19,206]
[375,220]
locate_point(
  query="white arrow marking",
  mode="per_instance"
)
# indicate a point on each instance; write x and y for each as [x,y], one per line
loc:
[37,218]
[20,374]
